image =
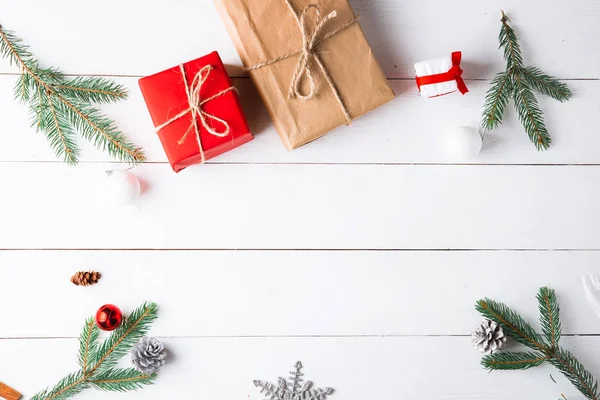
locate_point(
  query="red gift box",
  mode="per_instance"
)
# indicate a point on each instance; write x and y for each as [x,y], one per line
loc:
[196,111]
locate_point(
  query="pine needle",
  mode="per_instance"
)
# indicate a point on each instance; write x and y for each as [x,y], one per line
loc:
[67,387]
[121,380]
[60,107]
[530,114]
[518,82]
[496,100]
[510,44]
[549,315]
[92,89]
[576,373]
[88,344]
[547,85]
[513,361]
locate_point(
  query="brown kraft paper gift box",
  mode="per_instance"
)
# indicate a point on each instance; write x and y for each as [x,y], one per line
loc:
[348,81]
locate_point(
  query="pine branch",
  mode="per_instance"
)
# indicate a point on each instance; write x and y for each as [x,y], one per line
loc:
[496,101]
[60,106]
[519,330]
[67,387]
[124,337]
[37,106]
[530,114]
[513,361]
[91,89]
[22,89]
[60,136]
[576,373]
[97,361]
[545,84]
[59,133]
[88,344]
[512,323]
[100,130]
[121,380]
[549,315]
[17,53]
[518,83]
[509,41]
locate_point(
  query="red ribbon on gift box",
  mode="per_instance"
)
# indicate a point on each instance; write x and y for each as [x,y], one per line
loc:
[455,73]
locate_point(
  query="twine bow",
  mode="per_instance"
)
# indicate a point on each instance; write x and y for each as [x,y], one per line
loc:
[196,103]
[310,41]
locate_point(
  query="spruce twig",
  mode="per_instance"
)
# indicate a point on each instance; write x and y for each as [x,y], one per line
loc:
[547,85]
[97,360]
[511,361]
[549,316]
[547,350]
[518,82]
[512,323]
[496,101]
[60,107]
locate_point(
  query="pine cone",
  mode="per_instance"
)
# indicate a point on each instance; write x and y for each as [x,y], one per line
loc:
[148,355]
[83,278]
[489,337]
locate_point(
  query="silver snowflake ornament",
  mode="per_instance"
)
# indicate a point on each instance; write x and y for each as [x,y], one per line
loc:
[293,388]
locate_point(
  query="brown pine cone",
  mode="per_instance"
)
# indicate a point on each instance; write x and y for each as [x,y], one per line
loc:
[83,278]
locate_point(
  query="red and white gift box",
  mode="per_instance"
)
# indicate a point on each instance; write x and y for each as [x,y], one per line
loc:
[440,76]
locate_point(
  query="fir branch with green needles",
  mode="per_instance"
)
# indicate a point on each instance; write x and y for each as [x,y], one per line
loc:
[519,82]
[97,361]
[545,348]
[60,107]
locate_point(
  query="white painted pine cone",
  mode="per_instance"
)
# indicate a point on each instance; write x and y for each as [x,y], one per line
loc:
[148,355]
[489,337]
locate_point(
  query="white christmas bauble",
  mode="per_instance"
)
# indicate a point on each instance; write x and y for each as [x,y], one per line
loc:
[463,142]
[120,188]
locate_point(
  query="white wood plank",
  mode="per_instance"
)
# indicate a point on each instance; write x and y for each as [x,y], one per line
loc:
[409,130]
[144,37]
[305,207]
[249,293]
[357,368]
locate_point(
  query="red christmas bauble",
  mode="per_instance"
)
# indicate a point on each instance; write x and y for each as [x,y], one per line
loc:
[109,317]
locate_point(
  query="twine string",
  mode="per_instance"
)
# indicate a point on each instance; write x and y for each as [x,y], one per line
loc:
[196,110]
[303,68]
[308,53]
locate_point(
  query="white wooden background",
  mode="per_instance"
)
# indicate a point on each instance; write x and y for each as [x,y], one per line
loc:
[361,254]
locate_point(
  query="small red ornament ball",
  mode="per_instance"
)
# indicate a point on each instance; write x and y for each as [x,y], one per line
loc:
[109,317]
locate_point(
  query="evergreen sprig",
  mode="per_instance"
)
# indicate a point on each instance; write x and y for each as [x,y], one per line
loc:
[97,360]
[512,323]
[513,360]
[519,82]
[545,349]
[549,316]
[60,107]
